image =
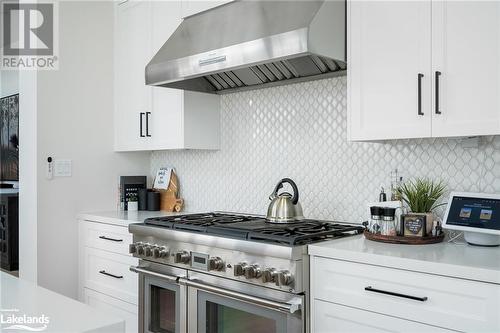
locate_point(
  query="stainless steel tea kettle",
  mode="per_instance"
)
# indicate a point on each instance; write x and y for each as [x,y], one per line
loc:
[285,208]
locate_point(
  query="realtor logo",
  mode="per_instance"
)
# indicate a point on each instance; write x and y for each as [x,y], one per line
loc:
[29,36]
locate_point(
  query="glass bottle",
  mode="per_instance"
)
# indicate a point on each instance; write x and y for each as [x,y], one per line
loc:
[389,222]
[375,219]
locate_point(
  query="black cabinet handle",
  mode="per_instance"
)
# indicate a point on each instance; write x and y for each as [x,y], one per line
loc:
[140,124]
[420,76]
[415,298]
[147,124]
[111,239]
[438,74]
[111,275]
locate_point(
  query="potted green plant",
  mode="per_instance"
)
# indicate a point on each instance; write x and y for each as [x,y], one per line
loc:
[421,196]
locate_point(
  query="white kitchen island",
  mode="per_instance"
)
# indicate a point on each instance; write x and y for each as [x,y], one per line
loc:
[37,309]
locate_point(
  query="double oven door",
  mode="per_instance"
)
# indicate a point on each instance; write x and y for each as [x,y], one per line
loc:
[173,300]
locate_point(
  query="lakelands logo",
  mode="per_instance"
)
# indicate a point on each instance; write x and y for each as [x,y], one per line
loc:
[29,36]
[11,319]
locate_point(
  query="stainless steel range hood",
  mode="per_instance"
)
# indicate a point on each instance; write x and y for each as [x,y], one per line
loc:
[249,44]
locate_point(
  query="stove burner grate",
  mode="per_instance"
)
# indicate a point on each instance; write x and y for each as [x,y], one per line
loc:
[254,228]
[305,233]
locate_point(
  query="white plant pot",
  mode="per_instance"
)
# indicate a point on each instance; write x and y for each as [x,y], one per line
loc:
[133,206]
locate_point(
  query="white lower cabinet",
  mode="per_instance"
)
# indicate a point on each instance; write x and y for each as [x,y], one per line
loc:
[110,273]
[105,279]
[349,296]
[334,318]
[113,306]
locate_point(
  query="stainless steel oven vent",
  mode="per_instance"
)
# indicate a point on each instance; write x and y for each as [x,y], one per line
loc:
[250,44]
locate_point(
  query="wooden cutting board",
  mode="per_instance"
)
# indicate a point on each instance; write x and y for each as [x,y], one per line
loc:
[169,198]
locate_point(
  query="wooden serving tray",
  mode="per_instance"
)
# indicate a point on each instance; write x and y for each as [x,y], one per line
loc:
[403,240]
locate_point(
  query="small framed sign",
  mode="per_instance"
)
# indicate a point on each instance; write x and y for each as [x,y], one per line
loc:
[414,225]
[162,178]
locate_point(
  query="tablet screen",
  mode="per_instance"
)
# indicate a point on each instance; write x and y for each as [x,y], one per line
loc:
[475,212]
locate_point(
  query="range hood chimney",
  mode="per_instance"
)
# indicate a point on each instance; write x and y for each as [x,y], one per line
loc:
[250,44]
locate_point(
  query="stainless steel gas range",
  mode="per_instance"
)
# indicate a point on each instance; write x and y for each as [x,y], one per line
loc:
[221,272]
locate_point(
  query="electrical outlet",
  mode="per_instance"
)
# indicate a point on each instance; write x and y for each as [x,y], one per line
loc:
[62,168]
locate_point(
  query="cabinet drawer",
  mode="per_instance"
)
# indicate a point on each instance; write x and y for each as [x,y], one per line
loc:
[334,318]
[126,311]
[109,273]
[106,237]
[435,300]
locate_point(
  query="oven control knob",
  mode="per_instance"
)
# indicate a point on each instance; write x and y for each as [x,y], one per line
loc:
[182,257]
[269,275]
[132,248]
[148,251]
[285,278]
[156,252]
[252,272]
[239,269]
[140,250]
[162,252]
[215,264]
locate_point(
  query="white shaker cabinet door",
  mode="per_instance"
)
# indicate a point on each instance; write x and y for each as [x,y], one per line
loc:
[466,68]
[132,96]
[389,65]
[113,306]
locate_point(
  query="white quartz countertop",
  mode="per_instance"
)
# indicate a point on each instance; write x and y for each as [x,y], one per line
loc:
[123,218]
[25,303]
[448,259]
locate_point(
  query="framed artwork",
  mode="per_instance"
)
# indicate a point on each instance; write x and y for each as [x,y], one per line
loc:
[9,138]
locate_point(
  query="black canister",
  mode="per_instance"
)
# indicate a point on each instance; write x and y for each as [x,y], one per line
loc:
[143,199]
[389,214]
[153,201]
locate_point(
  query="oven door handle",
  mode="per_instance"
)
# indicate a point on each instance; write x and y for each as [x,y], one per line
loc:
[142,270]
[291,306]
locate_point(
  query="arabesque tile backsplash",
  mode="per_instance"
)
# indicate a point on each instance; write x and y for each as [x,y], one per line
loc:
[299,131]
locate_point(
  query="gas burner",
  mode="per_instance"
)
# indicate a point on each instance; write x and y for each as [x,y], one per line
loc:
[254,228]
[307,232]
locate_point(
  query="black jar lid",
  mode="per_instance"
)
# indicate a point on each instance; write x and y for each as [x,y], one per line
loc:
[390,212]
[376,211]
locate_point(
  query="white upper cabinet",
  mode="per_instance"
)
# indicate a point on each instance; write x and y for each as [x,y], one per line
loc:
[389,46]
[155,118]
[132,96]
[191,7]
[423,69]
[466,51]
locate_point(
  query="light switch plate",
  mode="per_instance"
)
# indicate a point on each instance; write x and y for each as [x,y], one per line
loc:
[62,168]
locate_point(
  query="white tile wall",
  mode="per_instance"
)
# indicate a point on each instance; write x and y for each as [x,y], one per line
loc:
[299,131]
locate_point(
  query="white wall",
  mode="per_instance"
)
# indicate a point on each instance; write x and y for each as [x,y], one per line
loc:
[28,175]
[75,121]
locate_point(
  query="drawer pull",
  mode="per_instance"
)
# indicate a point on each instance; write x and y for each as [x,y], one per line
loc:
[420,76]
[112,275]
[415,298]
[111,239]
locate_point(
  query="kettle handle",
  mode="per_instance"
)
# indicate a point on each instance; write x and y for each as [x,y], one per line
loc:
[295,198]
